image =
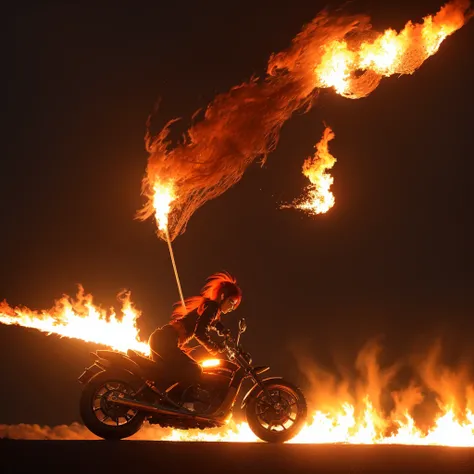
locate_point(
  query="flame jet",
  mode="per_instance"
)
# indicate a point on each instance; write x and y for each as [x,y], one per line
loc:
[80,318]
[335,51]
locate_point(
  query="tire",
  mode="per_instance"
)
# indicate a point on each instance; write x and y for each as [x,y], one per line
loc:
[92,406]
[257,423]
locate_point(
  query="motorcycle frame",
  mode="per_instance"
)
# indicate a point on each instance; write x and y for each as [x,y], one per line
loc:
[236,356]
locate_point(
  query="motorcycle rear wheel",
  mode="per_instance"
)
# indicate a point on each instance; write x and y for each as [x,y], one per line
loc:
[105,419]
[281,419]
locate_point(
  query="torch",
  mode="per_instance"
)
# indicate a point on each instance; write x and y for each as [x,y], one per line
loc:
[178,283]
[164,195]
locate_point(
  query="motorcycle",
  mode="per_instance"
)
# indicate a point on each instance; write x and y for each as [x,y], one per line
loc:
[121,392]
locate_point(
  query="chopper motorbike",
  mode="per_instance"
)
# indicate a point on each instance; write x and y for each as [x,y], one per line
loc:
[121,392]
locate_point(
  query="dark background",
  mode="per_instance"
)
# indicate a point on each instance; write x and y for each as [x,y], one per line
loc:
[392,258]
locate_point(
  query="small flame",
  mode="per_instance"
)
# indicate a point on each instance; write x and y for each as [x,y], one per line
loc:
[318,199]
[163,197]
[210,363]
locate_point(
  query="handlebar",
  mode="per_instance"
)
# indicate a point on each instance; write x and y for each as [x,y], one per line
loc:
[235,351]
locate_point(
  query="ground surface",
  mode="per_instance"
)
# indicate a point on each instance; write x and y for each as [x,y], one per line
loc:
[19,456]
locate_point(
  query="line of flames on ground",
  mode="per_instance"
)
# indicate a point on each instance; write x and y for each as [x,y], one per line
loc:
[336,416]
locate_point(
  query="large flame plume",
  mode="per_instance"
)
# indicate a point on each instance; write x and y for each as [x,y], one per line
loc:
[79,318]
[318,197]
[437,406]
[335,51]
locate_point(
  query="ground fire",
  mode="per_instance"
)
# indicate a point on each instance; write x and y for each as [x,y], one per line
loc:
[339,415]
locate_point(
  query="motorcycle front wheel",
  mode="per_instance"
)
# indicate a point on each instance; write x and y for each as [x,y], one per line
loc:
[106,419]
[279,418]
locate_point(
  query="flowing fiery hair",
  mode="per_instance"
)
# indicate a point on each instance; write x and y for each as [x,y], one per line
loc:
[221,283]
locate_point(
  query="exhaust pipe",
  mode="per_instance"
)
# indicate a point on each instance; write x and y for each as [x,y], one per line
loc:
[149,407]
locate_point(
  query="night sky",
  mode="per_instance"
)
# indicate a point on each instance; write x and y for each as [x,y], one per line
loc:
[393,259]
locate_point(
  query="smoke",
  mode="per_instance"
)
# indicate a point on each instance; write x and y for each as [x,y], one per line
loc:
[244,123]
[232,432]
[74,431]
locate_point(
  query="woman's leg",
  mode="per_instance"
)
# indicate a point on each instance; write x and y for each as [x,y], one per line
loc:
[187,370]
[178,366]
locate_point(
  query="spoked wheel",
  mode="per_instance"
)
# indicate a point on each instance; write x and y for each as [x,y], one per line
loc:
[106,419]
[279,417]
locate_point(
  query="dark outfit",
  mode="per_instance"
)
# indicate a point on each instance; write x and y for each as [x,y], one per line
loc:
[167,343]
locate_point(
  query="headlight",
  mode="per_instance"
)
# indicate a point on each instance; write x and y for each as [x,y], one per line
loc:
[210,363]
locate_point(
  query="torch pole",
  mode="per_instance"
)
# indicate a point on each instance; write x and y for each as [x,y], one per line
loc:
[174,267]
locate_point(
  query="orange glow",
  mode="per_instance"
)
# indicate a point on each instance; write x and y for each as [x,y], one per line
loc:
[211,363]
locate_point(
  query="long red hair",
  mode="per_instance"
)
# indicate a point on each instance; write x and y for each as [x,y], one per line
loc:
[221,283]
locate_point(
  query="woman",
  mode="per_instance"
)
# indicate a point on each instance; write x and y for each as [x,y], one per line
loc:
[220,295]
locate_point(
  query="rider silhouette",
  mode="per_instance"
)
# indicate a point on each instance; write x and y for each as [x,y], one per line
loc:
[202,313]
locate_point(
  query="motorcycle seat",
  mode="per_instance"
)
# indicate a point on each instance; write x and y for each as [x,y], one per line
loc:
[144,362]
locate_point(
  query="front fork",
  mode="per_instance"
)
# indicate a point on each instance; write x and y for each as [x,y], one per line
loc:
[251,372]
[260,383]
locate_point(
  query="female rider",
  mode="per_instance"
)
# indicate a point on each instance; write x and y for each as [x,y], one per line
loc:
[202,313]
